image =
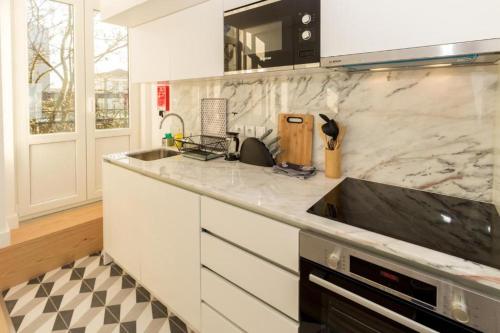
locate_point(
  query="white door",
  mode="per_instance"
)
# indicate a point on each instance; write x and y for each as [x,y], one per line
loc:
[110,122]
[51,129]
[61,135]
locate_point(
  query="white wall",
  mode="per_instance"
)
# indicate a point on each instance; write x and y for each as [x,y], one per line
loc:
[8,216]
[8,113]
[4,228]
[150,134]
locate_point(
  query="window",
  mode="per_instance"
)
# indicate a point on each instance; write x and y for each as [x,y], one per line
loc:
[111,75]
[75,86]
[51,69]
[51,74]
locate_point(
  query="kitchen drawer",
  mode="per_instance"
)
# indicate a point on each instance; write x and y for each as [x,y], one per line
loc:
[213,322]
[270,239]
[273,285]
[246,311]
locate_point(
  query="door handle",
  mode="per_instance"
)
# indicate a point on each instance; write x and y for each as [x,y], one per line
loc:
[411,324]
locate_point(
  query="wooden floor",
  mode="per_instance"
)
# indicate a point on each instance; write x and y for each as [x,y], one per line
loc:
[48,242]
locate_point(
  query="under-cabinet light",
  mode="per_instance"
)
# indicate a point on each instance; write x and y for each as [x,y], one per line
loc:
[437,65]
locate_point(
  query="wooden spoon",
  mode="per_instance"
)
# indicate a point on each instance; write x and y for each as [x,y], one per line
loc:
[340,138]
[325,140]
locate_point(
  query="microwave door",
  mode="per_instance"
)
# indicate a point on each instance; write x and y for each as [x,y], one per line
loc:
[259,39]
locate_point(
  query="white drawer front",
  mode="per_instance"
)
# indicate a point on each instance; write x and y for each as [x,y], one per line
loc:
[246,311]
[270,239]
[212,322]
[273,285]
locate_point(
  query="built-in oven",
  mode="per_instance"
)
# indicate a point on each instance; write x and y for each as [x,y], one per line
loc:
[272,35]
[343,290]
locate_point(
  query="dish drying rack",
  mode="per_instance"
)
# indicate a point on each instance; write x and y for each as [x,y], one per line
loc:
[202,147]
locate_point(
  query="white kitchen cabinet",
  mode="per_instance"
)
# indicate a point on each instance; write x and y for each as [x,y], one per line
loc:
[132,13]
[152,230]
[250,251]
[197,42]
[275,241]
[123,211]
[185,45]
[359,26]
[273,285]
[232,4]
[241,308]
[150,51]
[213,322]
[170,253]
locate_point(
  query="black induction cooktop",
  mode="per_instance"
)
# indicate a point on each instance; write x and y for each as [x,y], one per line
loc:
[460,227]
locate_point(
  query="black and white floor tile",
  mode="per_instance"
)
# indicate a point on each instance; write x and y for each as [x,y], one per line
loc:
[88,297]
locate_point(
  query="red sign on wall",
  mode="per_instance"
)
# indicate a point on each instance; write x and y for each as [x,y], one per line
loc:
[163,93]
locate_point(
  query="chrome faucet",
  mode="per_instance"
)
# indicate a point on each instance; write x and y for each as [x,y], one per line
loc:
[175,115]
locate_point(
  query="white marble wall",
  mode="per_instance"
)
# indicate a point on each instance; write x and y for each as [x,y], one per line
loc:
[496,155]
[426,129]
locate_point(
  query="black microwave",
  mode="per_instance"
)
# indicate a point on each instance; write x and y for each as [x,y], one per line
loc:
[272,35]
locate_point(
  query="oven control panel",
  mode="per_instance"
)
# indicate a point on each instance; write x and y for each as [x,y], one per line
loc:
[459,309]
[471,308]
[333,260]
[468,307]
[306,18]
[308,30]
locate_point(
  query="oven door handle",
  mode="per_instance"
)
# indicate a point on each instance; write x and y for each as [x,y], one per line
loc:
[371,305]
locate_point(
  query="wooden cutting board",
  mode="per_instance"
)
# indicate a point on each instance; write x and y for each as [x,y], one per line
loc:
[296,133]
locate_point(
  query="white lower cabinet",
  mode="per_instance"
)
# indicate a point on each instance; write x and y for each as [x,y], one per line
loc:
[270,239]
[273,285]
[170,257]
[122,201]
[250,273]
[162,235]
[214,322]
[241,308]
[152,230]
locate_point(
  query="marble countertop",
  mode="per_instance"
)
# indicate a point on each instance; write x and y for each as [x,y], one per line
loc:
[287,199]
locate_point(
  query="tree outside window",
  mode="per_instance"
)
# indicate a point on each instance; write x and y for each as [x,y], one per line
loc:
[51,69]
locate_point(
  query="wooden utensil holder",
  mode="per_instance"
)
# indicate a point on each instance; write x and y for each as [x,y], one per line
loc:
[333,165]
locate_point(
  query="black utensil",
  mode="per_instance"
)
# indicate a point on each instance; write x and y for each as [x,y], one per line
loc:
[253,151]
[325,118]
[330,128]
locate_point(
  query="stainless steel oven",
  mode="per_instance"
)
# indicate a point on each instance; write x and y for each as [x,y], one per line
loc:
[343,290]
[272,35]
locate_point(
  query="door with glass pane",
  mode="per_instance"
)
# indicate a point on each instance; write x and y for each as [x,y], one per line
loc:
[74,72]
[109,117]
[51,133]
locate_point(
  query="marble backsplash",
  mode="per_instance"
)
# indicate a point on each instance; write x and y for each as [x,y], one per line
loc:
[496,157]
[427,129]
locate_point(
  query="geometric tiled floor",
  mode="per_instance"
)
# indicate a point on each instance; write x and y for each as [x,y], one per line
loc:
[87,297]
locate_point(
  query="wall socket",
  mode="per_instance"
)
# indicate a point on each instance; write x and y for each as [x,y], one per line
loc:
[239,129]
[249,131]
[259,131]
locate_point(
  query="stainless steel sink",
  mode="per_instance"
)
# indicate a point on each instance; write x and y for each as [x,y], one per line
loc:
[152,155]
